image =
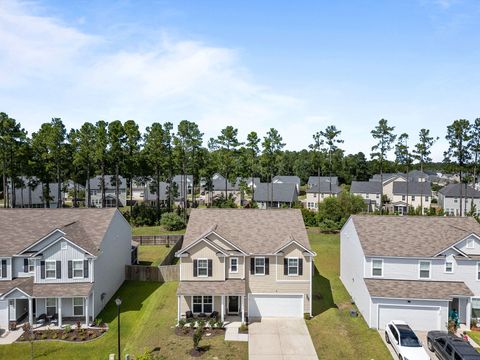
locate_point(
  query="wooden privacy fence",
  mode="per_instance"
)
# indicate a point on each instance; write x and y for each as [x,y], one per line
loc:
[157,239]
[162,273]
[170,258]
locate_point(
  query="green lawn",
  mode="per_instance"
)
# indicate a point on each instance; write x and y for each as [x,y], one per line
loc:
[335,334]
[154,230]
[152,255]
[147,323]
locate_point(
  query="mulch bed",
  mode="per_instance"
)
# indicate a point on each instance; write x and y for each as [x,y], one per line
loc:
[208,333]
[74,335]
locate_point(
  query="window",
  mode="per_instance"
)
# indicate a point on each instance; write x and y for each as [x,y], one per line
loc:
[77,306]
[323,195]
[424,269]
[51,306]
[50,269]
[476,308]
[292,266]
[394,332]
[64,245]
[31,265]
[413,197]
[426,198]
[455,200]
[378,196]
[449,267]
[449,349]
[470,243]
[441,342]
[478,270]
[367,196]
[77,269]
[202,304]
[234,265]
[377,267]
[259,266]
[403,197]
[202,267]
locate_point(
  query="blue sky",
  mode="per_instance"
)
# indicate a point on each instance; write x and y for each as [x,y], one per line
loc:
[296,66]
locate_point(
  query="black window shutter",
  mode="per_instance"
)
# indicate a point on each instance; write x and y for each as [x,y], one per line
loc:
[300,266]
[195,268]
[285,266]
[42,269]
[4,268]
[85,268]
[59,269]
[25,265]
[70,269]
[210,264]
[252,266]
[267,266]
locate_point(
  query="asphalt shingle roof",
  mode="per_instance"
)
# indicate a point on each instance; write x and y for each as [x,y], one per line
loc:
[109,182]
[414,188]
[324,188]
[254,231]
[227,287]
[282,192]
[287,179]
[313,180]
[411,236]
[45,290]
[366,187]
[453,190]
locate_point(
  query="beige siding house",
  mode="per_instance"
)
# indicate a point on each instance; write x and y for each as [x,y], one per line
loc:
[245,262]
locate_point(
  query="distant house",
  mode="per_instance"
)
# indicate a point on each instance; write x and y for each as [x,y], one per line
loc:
[275,195]
[418,176]
[317,193]
[110,189]
[315,180]
[234,189]
[449,199]
[281,179]
[370,191]
[388,180]
[31,194]
[419,193]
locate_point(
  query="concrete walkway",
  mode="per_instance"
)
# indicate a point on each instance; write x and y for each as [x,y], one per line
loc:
[232,334]
[10,337]
[280,339]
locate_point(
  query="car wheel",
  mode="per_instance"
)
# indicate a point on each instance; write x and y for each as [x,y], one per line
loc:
[430,345]
[387,339]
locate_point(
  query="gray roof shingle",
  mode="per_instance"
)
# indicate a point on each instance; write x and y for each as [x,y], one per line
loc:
[254,231]
[453,190]
[109,182]
[313,180]
[324,188]
[282,192]
[414,188]
[287,179]
[366,187]
[227,287]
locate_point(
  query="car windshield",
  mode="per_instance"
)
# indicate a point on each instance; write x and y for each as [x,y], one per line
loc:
[409,340]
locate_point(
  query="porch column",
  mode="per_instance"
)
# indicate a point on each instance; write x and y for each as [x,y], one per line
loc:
[242,301]
[86,311]
[179,310]
[468,316]
[30,311]
[60,312]
[223,309]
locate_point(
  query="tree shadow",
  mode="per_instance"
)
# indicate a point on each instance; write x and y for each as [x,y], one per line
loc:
[322,296]
[133,295]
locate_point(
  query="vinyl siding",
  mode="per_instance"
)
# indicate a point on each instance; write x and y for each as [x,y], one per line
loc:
[9,269]
[18,268]
[202,250]
[293,251]
[240,273]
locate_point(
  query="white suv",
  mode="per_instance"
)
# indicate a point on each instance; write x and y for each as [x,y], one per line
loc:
[404,341]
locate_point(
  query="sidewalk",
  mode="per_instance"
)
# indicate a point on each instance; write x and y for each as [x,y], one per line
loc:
[10,337]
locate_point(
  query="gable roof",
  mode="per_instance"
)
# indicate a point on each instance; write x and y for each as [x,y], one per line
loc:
[417,175]
[109,182]
[324,188]
[453,190]
[387,176]
[287,179]
[366,187]
[282,192]
[414,188]
[253,230]
[313,180]
[23,227]
[411,236]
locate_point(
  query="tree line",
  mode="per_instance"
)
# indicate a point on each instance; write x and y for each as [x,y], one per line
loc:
[55,154]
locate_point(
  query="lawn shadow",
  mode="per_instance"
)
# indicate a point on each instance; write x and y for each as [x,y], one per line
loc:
[321,294]
[133,294]
[145,263]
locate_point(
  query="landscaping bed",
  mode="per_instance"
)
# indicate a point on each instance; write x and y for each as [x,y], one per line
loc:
[208,332]
[71,335]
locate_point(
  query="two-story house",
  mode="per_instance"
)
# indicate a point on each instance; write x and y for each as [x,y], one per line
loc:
[413,268]
[316,193]
[287,179]
[411,194]
[245,262]
[275,195]
[370,191]
[110,191]
[450,197]
[64,263]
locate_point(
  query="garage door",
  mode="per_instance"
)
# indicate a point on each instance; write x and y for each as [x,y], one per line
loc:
[275,305]
[418,317]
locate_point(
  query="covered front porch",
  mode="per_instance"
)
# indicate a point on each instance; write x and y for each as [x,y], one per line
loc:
[212,299]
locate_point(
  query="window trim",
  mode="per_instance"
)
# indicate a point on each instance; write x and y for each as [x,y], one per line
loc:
[470,241]
[429,269]
[236,265]
[31,262]
[74,306]
[54,269]
[296,266]
[255,264]
[478,270]
[202,303]
[377,276]
[445,268]
[203,267]
[55,306]
[81,267]
[63,245]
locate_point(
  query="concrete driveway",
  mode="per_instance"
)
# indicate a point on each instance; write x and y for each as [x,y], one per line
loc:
[282,339]
[422,335]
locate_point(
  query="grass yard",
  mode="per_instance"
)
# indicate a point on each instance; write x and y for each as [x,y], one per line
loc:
[152,255]
[335,334]
[154,230]
[147,324]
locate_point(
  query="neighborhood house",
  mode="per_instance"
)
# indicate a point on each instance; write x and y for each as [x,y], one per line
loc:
[245,263]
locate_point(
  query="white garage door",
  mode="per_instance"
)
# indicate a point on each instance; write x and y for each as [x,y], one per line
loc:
[418,317]
[275,305]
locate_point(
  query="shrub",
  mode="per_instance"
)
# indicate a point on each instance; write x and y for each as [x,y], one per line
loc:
[98,322]
[222,202]
[142,215]
[309,217]
[172,222]
[201,324]
[197,337]
[220,324]
[211,323]
[243,328]
[181,323]
[67,328]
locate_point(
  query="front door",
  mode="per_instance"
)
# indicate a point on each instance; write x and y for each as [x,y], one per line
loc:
[233,304]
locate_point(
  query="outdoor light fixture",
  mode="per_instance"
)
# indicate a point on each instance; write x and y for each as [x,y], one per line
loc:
[118,301]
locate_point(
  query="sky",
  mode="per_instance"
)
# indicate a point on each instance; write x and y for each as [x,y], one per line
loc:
[297,66]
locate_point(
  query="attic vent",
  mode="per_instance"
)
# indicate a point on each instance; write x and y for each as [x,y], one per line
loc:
[64,245]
